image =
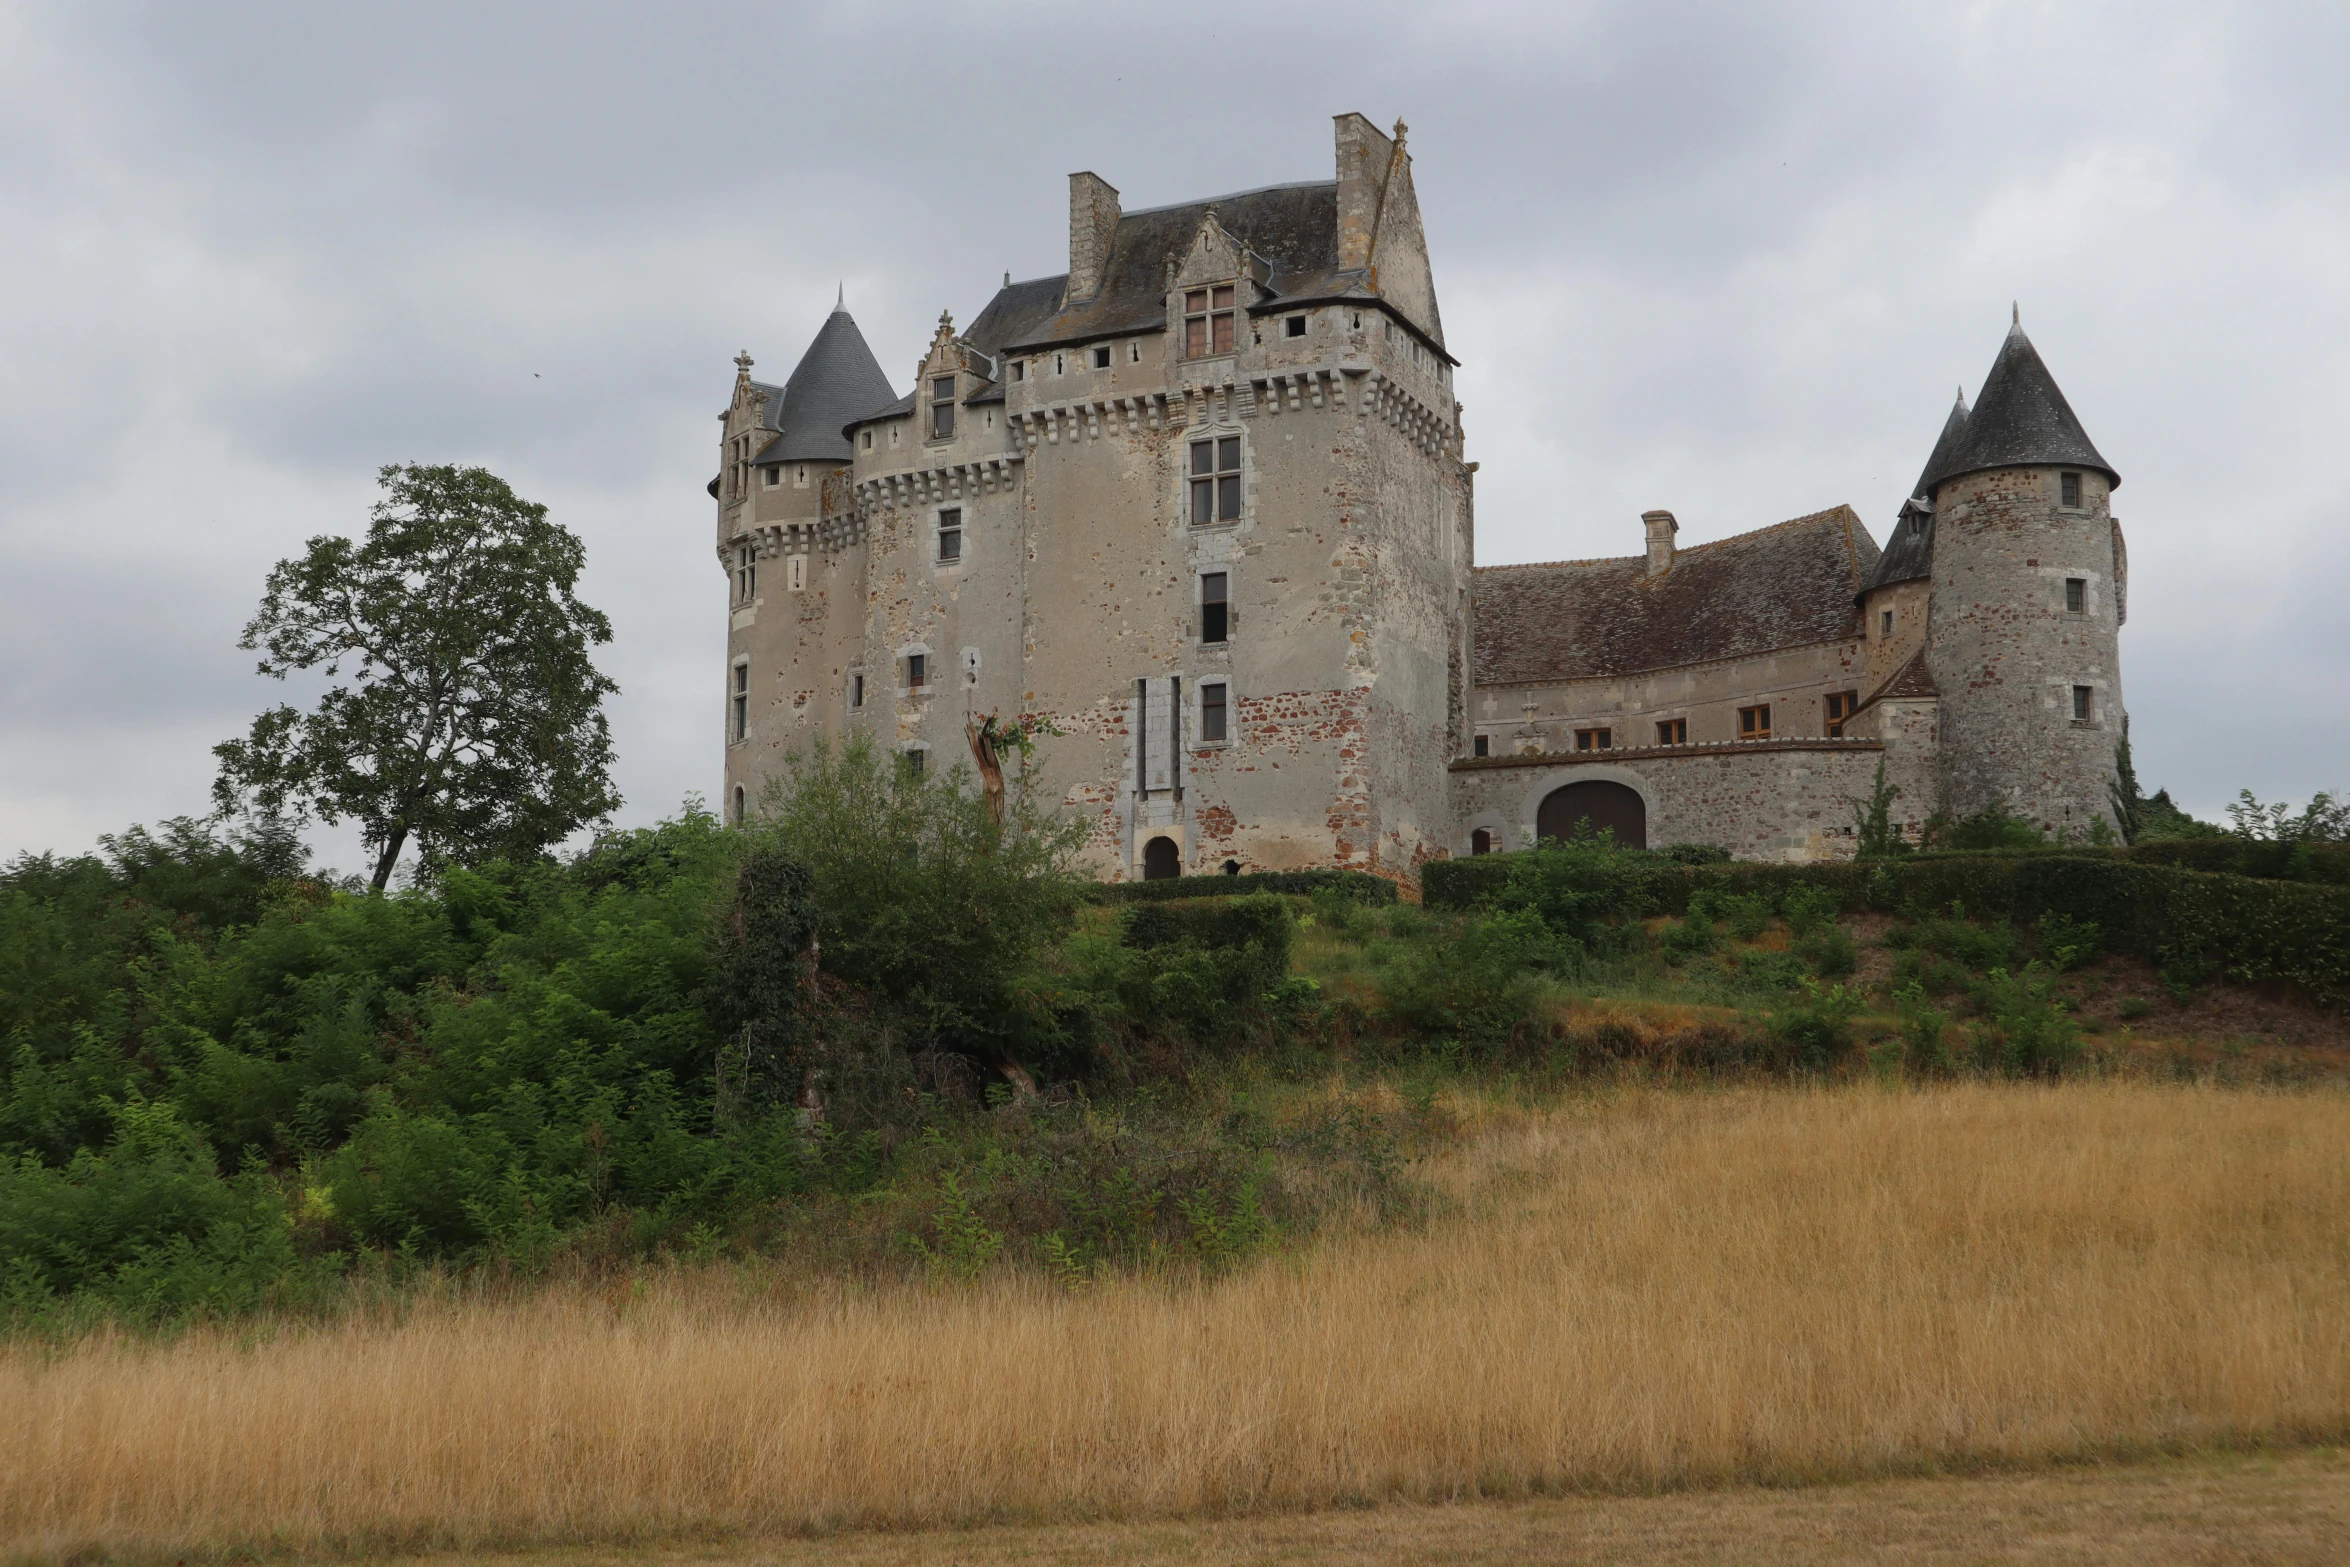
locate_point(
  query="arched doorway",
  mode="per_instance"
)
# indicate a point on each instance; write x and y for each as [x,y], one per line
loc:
[1481,842]
[1610,807]
[1161,859]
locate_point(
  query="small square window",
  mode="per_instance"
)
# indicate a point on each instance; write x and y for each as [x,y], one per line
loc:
[1214,715]
[769,475]
[1481,746]
[1672,731]
[2083,711]
[917,671]
[1295,326]
[2076,595]
[1595,739]
[1215,610]
[1019,369]
[916,762]
[2068,490]
[1754,723]
[1101,357]
[950,534]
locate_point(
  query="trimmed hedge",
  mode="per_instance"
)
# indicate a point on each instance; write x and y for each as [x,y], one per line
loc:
[1360,886]
[2197,922]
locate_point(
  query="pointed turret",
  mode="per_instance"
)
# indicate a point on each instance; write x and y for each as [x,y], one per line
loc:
[836,380]
[1945,447]
[2021,420]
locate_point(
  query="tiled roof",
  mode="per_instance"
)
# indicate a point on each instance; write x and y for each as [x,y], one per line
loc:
[1909,548]
[1912,679]
[836,380]
[1292,228]
[2021,420]
[1783,586]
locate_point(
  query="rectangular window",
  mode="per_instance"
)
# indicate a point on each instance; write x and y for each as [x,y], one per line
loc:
[856,690]
[1672,731]
[2068,490]
[917,671]
[942,407]
[1215,610]
[742,701]
[2076,594]
[950,535]
[1754,723]
[795,574]
[1482,746]
[868,440]
[1296,326]
[1019,369]
[1214,719]
[1207,321]
[1885,624]
[769,475]
[916,762]
[1841,706]
[2082,711]
[1101,357]
[1215,480]
[1595,739]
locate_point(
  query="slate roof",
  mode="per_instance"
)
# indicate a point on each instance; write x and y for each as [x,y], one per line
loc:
[1789,585]
[1909,548]
[1912,679]
[2021,420]
[836,380]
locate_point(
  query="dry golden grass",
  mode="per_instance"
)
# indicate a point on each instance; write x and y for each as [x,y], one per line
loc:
[1650,1292]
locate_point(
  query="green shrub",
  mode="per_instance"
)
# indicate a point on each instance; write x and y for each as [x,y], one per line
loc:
[1829,951]
[1922,1026]
[1695,854]
[1977,946]
[1585,889]
[1687,938]
[1775,970]
[2065,942]
[2025,1029]
[1817,1031]
[1356,886]
[1475,979]
[1809,908]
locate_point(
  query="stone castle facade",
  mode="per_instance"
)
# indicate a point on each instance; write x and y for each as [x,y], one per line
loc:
[1203,503]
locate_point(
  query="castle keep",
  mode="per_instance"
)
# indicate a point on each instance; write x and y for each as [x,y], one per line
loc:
[1202,503]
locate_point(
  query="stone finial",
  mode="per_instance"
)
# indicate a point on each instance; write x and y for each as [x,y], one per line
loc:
[1400,129]
[742,375]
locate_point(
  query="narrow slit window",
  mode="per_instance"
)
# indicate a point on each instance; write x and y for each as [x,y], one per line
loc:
[856,690]
[1595,739]
[2083,710]
[950,535]
[1215,719]
[795,574]
[1672,731]
[942,407]
[917,671]
[2076,595]
[1754,723]
[2068,487]
[1841,706]
[742,701]
[1215,609]
[1884,623]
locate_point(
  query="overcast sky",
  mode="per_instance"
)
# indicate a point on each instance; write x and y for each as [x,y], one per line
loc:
[1727,259]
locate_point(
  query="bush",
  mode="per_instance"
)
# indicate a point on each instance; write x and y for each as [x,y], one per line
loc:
[1694,854]
[1474,979]
[2067,943]
[1205,965]
[1683,939]
[1829,951]
[1809,909]
[1816,1032]
[1355,886]
[1585,889]
[2026,1031]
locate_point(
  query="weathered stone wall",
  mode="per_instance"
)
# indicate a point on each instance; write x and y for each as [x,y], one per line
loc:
[1795,682]
[1769,800]
[2006,653]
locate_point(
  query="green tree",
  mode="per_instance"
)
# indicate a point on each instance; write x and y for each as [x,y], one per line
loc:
[2129,806]
[473,720]
[1873,818]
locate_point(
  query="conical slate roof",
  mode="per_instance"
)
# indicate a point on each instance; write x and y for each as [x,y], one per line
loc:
[1909,551]
[1945,447]
[2021,420]
[836,380]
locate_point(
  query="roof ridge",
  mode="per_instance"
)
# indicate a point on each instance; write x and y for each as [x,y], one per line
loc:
[1823,514]
[1231,195]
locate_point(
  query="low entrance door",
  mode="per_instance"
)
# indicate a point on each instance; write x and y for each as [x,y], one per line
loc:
[1609,807]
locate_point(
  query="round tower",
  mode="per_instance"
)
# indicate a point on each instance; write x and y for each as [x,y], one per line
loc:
[2025,605]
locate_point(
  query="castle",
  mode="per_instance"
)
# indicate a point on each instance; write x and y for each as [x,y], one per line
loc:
[1203,503]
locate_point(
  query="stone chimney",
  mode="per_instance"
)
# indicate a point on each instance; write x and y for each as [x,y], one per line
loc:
[1365,158]
[1093,218]
[1661,528]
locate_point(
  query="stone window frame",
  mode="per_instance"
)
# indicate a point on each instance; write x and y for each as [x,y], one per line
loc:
[770,475]
[741,806]
[1102,356]
[2079,486]
[855,691]
[1199,712]
[914,757]
[2076,595]
[738,701]
[904,660]
[2083,711]
[1494,824]
[1228,429]
[1480,744]
[799,476]
[1754,722]
[1220,305]
[746,575]
[1294,326]
[1222,569]
[795,573]
[934,406]
[939,529]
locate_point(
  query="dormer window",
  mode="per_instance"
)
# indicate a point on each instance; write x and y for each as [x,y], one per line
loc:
[942,407]
[2068,491]
[1207,321]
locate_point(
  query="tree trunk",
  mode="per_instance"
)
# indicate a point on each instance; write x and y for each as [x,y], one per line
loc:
[390,856]
[991,767]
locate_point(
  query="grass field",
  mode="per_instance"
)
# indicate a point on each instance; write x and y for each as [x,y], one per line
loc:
[1625,1292]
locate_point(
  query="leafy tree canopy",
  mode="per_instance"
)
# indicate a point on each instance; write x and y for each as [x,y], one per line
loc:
[472,720]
